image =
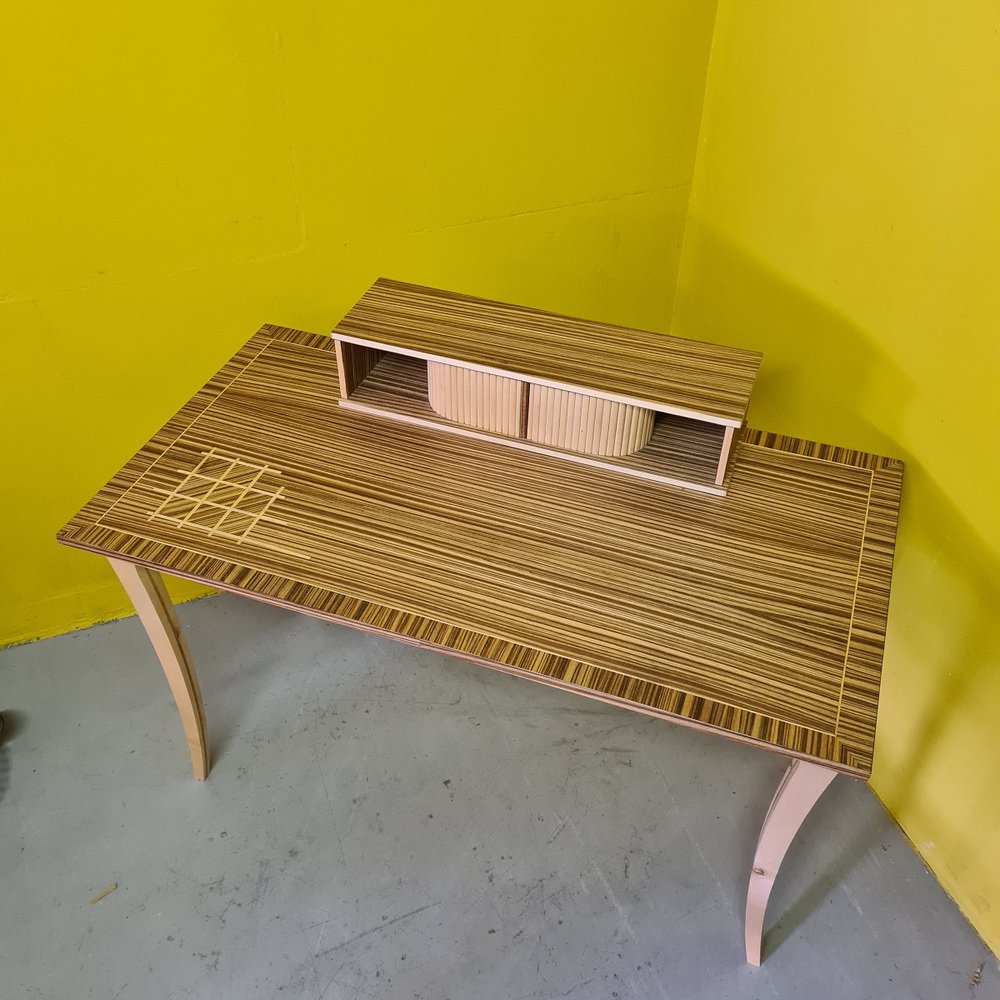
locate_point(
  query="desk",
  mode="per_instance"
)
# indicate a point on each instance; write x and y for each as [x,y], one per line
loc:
[759,616]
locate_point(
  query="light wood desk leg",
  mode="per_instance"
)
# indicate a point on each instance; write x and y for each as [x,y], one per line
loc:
[147,593]
[800,788]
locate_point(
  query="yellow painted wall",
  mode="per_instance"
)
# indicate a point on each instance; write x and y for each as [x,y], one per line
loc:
[172,176]
[845,218]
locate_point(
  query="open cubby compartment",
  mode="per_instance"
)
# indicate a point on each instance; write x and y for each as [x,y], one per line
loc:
[578,426]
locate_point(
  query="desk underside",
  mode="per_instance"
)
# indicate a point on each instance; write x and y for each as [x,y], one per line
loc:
[760,614]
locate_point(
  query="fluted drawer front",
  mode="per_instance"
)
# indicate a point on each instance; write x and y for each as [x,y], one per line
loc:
[587,424]
[476,399]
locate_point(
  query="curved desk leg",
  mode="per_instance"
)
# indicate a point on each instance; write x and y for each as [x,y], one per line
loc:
[147,593]
[800,788]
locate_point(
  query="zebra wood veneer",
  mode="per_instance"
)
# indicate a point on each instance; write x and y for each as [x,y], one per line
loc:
[571,388]
[759,615]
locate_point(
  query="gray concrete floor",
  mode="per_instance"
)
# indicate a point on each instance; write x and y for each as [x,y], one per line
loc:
[385,822]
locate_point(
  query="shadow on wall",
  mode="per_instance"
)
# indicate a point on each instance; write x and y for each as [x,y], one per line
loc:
[824,378]
[941,684]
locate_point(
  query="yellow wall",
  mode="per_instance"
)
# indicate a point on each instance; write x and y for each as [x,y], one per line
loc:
[172,176]
[845,219]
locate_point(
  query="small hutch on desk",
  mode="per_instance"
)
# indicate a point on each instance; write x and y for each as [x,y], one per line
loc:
[643,404]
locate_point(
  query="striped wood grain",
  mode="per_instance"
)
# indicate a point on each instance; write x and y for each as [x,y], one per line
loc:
[354,364]
[759,615]
[664,373]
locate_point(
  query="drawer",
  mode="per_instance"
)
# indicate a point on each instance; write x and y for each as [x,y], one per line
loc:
[477,399]
[588,424]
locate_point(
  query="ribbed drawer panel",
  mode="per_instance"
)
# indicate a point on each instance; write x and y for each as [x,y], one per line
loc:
[476,399]
[587,424]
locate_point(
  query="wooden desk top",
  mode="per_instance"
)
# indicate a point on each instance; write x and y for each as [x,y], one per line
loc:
[760,615]
[670,374]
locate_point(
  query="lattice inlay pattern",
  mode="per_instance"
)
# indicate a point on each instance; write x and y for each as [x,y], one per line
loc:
[221,496]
